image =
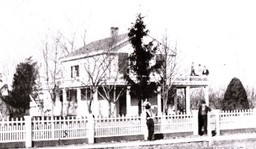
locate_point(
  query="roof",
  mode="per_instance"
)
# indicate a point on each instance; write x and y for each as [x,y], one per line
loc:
[102,44]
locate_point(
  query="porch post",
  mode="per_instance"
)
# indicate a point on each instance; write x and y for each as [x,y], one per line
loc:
[187,92]
[159,103]
[57,106]
[78,94]
[128,100]
[206,95]
[95,104]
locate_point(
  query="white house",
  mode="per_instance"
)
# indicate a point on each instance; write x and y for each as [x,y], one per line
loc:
[99,63]
[94,68]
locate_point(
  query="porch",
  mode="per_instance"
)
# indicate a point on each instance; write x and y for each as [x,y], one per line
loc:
[76,100]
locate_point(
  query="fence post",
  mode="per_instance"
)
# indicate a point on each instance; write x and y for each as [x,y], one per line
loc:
[28,126]
[90,129]
[209,128]
[163,122]
[195,122]
[217,122]
[52,126]
[144,125]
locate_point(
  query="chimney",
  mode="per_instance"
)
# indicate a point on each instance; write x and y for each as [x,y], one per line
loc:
[114,32]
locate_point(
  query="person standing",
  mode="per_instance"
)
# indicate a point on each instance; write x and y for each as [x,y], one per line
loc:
[199,70]
[192,73]
[150,121]
[202,118]
[205,71]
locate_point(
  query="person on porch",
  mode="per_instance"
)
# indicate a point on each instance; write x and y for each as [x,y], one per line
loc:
[205,71]
[202,118]
[193,73]
[150,121]
[199,70]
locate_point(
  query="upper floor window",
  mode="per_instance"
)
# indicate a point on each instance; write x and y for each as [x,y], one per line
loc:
[159,58]
[74,71]
[122,62]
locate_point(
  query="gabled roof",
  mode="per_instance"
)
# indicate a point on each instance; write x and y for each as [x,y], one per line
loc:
[103,44]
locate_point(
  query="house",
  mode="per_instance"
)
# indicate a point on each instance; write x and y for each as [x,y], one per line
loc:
[92,77]
[4,107]
[100,63]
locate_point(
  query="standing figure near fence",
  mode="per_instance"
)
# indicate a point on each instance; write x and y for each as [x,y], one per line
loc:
[202,118]
[150,121]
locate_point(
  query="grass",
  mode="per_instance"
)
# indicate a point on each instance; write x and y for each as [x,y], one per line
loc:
[238,144]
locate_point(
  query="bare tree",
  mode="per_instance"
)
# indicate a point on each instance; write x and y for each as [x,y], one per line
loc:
[67,44]
[51,55]
[54,48]
[98,74]
[110,88]
[172,70]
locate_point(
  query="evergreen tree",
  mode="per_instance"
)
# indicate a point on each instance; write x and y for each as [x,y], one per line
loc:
[23,86]
[235,96]
[141,87]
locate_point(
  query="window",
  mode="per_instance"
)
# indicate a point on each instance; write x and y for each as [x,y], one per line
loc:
[159,58]
[61,96]
[86,94]
[74,71]
[122,62]
[71,95]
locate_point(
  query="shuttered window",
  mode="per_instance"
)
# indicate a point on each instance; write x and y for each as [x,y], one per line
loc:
[122,62]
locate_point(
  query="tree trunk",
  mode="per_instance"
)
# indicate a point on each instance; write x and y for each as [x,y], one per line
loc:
[109,108]
[165,99]
[92,98]
[139,106]
[53,108]
[90,107]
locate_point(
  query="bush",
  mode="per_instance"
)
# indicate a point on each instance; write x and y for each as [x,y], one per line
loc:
[235,96]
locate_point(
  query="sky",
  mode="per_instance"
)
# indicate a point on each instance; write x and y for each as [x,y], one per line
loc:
[219,34]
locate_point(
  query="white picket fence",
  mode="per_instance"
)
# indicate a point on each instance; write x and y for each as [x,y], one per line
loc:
[64,128]
[53,128]
[12,130]
[237,119]
[118,126]
[182,122]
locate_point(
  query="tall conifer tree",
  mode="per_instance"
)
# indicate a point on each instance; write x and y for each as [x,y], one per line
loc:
[138,74]
[23,86]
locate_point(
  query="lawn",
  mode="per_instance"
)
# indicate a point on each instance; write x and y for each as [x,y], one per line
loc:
[231,144]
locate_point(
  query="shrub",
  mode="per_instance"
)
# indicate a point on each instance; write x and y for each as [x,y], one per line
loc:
[235,96]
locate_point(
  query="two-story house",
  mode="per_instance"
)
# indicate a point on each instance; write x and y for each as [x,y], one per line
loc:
[92,80]
[97,69]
